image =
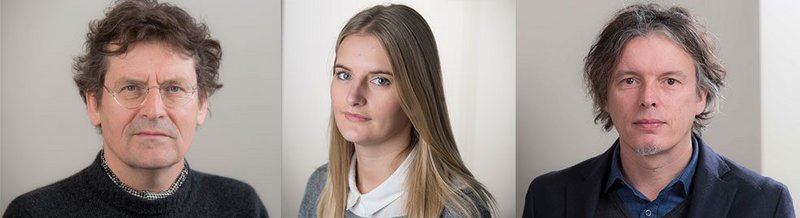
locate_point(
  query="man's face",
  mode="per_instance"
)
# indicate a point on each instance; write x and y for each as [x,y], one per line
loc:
[653,96]
[154,135]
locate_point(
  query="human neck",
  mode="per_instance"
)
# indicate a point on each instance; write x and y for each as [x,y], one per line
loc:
[140,179]
[376,163]
[652,173]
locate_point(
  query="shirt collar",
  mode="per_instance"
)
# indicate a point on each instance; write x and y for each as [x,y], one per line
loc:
[685,178]
[380,197]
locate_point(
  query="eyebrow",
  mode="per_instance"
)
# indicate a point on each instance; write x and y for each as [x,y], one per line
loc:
[370,72]
[174,81]
[340,66]
[619,74]
[128,80]
[677,73]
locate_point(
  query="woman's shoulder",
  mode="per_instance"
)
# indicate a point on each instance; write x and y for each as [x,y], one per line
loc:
[480,204]
[319,177]
[316,183]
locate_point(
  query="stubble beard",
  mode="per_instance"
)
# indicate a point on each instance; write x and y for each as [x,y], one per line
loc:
[647,150]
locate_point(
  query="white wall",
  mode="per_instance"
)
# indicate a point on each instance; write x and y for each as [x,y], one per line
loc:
[555,126]
[476,47]
[46,135]
[780,94]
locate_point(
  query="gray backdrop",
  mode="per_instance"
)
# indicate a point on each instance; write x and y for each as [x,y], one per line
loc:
[46,134]
[554,114]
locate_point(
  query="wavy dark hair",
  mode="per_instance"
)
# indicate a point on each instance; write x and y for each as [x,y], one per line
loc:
[133,21]
[676,24]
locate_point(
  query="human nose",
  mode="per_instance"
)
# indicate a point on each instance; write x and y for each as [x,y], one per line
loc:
[355,96]
[153,104]
[649,95]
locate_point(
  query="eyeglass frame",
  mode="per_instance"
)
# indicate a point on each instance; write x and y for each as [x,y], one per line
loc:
[146,92]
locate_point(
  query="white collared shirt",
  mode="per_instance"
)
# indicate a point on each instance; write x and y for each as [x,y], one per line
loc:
[386,200]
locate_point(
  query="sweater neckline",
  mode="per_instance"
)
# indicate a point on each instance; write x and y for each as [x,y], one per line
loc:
[104,189]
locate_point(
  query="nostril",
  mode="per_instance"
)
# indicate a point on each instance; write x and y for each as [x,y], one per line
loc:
[648,105]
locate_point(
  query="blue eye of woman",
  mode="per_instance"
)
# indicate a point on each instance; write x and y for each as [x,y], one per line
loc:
[380,81]
[343,76]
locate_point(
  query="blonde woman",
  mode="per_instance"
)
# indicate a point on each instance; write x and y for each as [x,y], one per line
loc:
[392,151]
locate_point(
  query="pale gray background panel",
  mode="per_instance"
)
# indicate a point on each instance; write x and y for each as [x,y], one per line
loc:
[780,94]
[46,134]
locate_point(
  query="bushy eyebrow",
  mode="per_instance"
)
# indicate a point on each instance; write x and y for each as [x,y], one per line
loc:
[174,81]
[128,80]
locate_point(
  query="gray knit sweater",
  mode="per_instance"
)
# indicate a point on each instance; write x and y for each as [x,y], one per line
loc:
[308,207]
[90,193]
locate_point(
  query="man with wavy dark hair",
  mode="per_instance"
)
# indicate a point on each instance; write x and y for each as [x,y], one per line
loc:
[146,75]
[654,76]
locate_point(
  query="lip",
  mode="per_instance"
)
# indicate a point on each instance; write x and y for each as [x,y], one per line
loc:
[151,134]
[649,124]
[354,117]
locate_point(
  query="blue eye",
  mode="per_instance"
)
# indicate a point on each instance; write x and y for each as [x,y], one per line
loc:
[380,81]
[343,75]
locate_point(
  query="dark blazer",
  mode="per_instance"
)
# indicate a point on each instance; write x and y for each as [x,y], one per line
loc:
[721,188]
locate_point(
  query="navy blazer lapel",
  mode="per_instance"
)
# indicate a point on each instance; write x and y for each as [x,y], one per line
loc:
[711,195]
[582,196]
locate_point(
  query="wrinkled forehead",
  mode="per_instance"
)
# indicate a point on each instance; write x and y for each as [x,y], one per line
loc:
[150,63]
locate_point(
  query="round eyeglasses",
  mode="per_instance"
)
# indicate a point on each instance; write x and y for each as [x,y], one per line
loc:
[133,96]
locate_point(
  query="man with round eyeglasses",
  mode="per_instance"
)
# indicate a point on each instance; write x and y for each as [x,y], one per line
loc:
[146,75]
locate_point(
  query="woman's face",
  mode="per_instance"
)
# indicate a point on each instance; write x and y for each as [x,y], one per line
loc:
[366,106]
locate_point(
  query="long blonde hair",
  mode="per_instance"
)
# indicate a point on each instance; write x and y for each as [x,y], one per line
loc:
[437,176]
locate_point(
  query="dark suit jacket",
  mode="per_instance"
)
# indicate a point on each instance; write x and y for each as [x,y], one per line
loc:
[721,188]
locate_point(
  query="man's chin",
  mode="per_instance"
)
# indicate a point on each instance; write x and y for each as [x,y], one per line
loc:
[153,160]
[648,150]
[646,146]
[153,164]
[153,154]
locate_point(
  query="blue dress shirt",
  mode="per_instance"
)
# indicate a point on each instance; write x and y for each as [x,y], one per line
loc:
[669,198]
